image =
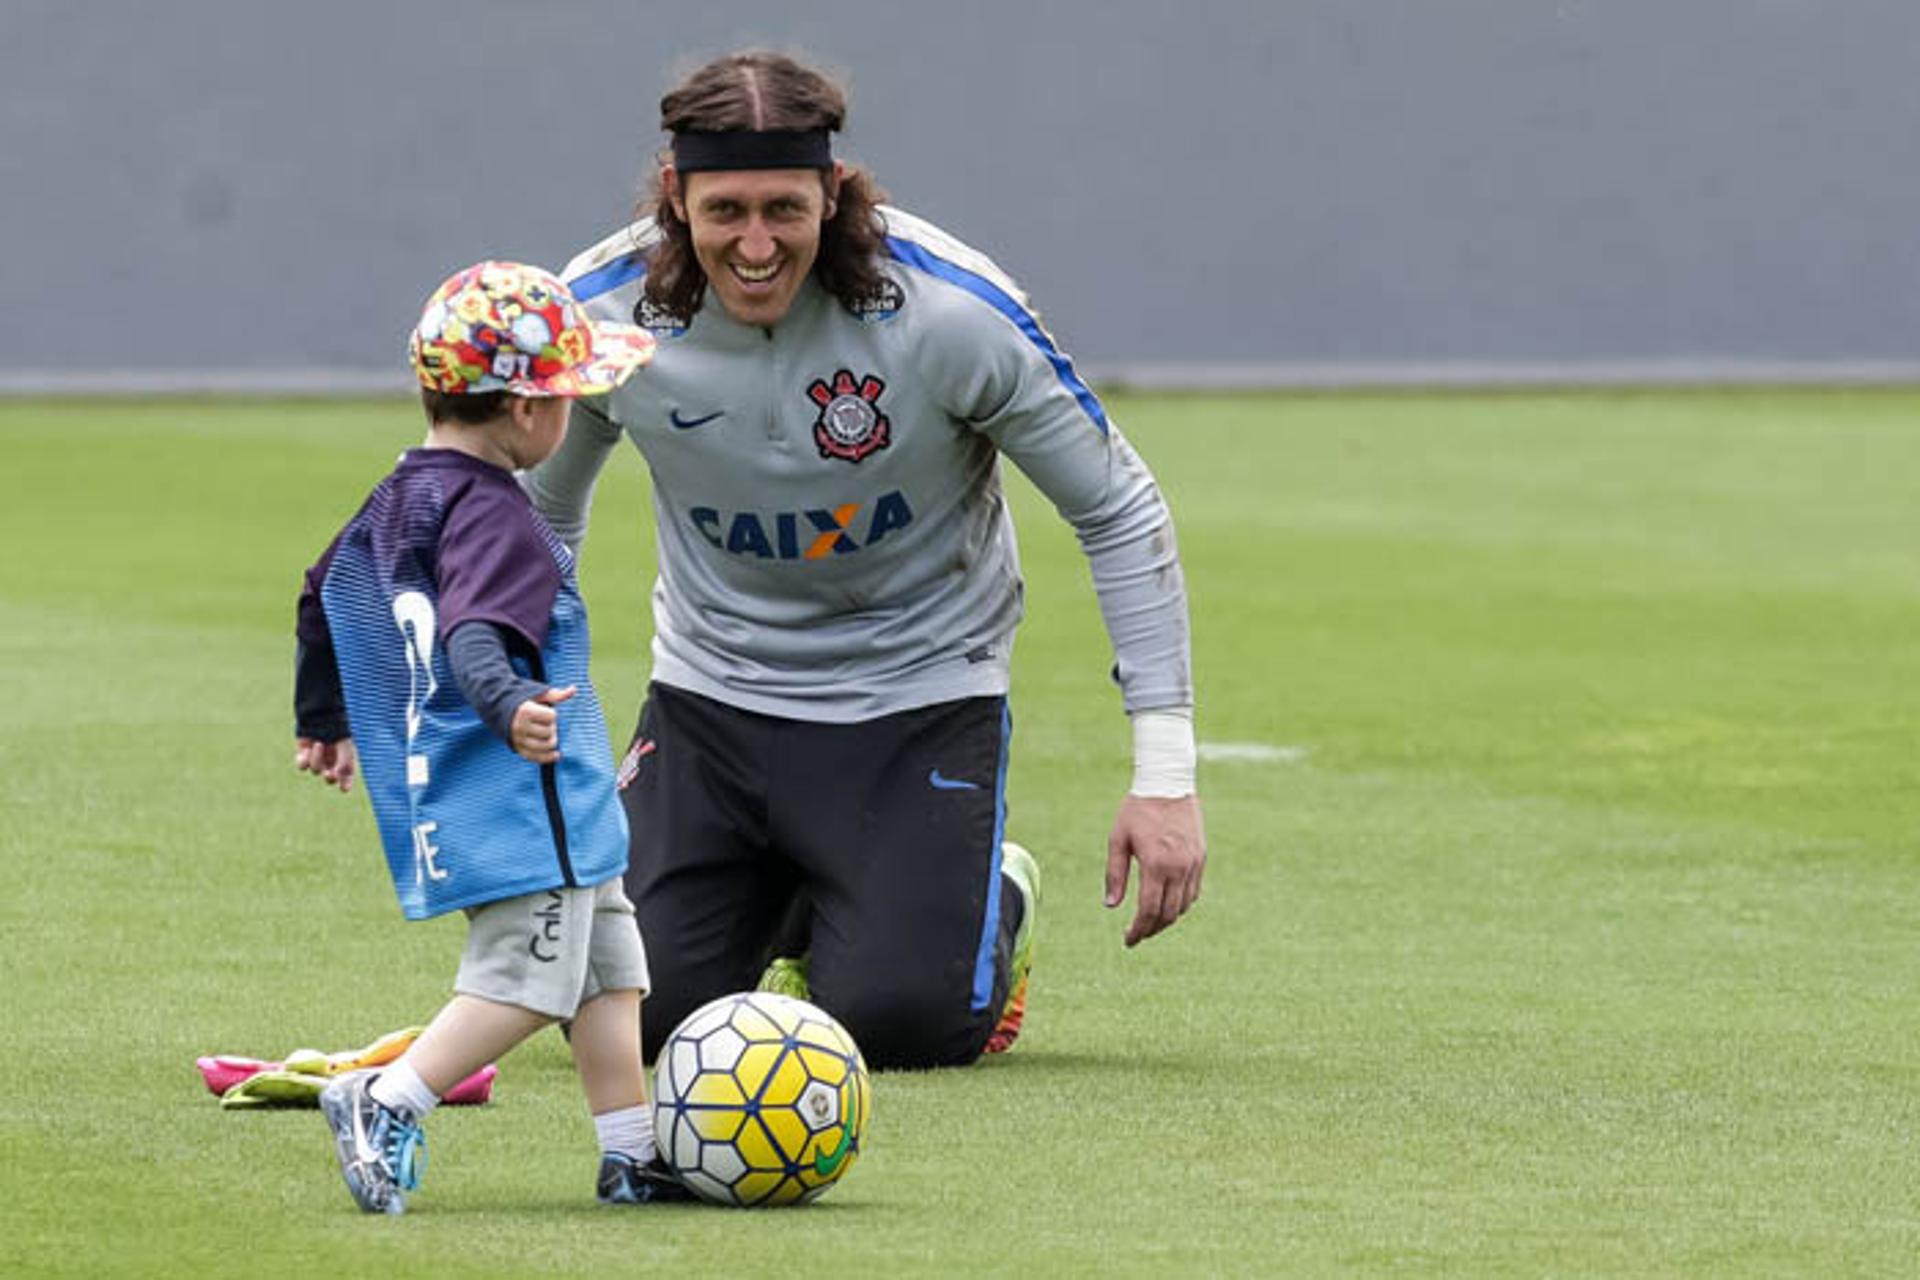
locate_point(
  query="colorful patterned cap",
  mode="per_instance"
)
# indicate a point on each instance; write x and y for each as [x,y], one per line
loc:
[505,326]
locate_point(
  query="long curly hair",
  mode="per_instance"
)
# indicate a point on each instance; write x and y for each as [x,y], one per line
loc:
[761,90]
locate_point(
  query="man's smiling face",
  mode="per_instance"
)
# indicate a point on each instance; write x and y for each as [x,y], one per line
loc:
[756,233]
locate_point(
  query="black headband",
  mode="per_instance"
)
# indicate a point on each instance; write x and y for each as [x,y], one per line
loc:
[695,151]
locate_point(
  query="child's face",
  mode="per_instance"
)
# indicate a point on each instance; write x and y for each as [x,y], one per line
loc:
[543,423]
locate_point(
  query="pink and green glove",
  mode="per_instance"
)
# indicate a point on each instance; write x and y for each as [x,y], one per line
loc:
[244,1083]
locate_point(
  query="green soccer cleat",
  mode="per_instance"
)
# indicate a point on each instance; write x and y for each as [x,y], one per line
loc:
[786,976]
[1017,865]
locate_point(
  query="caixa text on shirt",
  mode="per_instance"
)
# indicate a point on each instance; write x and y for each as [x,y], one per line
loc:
[811,534]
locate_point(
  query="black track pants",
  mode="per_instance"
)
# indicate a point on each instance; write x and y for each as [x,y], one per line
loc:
[888,829]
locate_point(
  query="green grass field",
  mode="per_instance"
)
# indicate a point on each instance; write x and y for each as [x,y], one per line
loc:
[1571,931]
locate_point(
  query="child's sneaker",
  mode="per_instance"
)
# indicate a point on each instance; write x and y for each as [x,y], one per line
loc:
[382,1153]
[1018,866]
[622,1181]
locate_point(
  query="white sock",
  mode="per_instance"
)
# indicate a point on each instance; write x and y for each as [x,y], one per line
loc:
[627,1132]
[401,1089]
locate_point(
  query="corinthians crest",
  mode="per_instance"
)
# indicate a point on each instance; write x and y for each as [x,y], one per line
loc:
[850,425]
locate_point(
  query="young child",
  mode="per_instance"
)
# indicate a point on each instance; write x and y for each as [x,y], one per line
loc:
[443,653]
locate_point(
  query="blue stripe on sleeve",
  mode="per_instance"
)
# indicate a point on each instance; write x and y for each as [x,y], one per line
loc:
[608,277]
[993,295]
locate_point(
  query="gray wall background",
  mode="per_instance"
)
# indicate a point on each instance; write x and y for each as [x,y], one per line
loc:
[1290,191]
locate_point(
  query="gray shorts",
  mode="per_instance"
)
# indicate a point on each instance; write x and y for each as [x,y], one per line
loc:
[554,950]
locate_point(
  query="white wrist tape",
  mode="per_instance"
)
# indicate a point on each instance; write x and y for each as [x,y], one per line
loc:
[1163,752]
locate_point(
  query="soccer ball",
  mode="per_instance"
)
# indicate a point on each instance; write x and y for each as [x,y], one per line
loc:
[760,1099]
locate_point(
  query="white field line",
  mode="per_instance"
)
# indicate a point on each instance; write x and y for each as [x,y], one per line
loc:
[1252,753]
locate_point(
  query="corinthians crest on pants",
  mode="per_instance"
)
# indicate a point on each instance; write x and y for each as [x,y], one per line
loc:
[850,425]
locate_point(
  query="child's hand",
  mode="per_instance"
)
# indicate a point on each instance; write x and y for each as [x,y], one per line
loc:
[333,761]
[536,725]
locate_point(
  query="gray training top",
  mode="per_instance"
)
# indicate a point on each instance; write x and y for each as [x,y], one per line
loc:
[834,544]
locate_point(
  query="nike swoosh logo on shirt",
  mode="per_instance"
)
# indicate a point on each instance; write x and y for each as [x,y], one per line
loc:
[941,782]
[688,424]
